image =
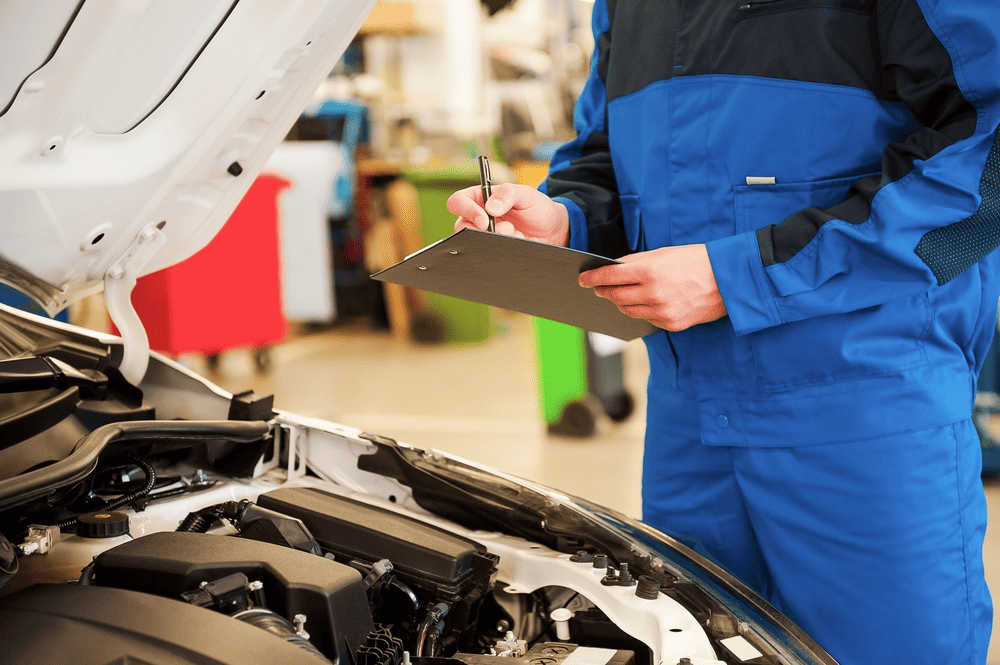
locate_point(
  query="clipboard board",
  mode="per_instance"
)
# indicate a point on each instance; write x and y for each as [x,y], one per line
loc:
[521,275]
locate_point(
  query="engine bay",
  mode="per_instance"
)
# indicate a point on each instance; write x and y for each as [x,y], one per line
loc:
[336,578]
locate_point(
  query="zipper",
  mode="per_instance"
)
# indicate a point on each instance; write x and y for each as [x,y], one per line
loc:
[750,8]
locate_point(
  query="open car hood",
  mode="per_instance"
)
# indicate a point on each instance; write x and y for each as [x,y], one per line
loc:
[129,131]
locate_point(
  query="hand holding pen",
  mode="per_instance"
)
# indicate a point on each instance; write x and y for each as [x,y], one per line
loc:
[509,209]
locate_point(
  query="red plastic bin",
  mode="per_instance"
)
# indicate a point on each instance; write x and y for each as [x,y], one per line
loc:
[228,295]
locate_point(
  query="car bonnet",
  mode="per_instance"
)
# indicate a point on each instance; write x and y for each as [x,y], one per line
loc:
[129,131]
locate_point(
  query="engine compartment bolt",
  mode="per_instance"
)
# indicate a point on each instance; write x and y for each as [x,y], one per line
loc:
[300,621]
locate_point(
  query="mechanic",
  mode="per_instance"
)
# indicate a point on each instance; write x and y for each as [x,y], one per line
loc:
[805,196]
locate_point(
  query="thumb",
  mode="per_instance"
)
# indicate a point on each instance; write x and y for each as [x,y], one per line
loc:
[507,196]
[496,206]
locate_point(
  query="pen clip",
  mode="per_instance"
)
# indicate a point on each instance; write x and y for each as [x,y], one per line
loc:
[486,186]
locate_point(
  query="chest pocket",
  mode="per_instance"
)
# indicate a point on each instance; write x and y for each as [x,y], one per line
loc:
[872,342]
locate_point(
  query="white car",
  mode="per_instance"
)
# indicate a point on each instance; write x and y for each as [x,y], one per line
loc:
[148,516]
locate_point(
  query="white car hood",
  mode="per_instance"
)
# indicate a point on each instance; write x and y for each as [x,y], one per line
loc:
[129,119]
[130,130]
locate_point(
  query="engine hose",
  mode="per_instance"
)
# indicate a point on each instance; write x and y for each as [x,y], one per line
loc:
[199,521]
[87,574]
[433,639]
[434,614]
[280,626]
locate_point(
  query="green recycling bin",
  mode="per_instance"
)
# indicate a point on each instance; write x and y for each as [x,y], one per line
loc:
[562,368]
[463,321]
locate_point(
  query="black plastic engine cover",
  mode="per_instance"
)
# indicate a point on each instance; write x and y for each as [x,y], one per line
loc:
[368,533]
[87,625]
[330,594]
[437,565]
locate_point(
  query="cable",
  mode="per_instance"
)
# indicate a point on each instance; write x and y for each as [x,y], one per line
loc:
[85,456]
[138,494]
[128,498]
[87,574]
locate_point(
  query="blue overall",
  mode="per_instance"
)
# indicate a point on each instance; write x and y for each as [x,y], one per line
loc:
[839,158]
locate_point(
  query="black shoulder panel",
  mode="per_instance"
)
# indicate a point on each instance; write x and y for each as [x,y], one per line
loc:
[825,41]
[647,32]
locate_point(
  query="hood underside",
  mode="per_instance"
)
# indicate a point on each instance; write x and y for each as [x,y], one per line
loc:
[129,131]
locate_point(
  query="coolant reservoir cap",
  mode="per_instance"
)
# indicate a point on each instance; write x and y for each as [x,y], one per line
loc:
[102,525]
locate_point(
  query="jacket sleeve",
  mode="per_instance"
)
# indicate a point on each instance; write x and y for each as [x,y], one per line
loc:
[934,211]
[581,175]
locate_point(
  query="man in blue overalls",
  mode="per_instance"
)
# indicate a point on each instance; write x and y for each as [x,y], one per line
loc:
[805,196]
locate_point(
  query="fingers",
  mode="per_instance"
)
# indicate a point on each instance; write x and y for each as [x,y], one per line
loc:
[671,287]
[508,229]
[614,275]
[630,294]
[504,198]
[517,210]
[467,204]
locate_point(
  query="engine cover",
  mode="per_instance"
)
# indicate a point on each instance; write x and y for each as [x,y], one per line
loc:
[359,531]
[440,567]
[329,594]
[88,625]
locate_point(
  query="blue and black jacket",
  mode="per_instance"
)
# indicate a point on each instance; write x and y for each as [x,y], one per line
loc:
[840,160]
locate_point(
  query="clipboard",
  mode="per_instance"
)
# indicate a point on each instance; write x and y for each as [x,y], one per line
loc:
[514,273]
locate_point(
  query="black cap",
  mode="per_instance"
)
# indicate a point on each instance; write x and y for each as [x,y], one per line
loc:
[102,525]
[648,588]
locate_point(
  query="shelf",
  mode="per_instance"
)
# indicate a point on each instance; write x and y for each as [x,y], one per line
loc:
[394,17]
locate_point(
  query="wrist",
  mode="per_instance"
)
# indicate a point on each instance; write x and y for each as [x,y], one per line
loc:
[561,227]
[561,236]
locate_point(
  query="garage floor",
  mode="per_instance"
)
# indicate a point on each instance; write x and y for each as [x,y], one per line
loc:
[477,401]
